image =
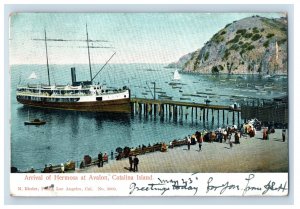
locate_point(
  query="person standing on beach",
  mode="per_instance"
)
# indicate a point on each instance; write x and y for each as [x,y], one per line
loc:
[62,167]
[189,142]
[105,157]
[100,160]
[283,135]
[130,162]
[135,164]
[111,155]
[200,142]
[225,135]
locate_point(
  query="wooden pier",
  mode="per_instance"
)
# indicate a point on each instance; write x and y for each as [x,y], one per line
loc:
[222,114]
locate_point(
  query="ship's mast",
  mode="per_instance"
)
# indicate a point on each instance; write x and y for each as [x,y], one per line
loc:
[88,47]
[47,58]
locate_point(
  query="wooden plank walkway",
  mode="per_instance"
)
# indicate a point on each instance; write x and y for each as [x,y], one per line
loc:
[185,104]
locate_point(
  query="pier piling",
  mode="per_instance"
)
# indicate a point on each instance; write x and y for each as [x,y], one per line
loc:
[169,108]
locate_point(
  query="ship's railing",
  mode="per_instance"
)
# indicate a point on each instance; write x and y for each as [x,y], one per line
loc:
[71,94]
[53,95]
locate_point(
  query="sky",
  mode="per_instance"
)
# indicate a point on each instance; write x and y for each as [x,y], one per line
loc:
[135,37]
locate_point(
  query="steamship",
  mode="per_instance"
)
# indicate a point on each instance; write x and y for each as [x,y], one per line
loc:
[77,96]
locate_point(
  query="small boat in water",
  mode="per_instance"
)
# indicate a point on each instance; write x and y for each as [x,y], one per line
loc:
[185,98]
[163,96]
[36,122]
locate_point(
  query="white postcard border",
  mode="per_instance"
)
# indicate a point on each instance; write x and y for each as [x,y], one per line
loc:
[149,184]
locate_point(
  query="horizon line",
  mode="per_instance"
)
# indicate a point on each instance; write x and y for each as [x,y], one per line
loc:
[92,64]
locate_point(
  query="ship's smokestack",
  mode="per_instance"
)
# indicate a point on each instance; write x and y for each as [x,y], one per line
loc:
[73,75]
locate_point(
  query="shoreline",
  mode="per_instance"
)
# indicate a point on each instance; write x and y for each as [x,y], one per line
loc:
[251,155]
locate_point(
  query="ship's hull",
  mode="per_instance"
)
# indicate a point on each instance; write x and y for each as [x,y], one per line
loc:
[120,105]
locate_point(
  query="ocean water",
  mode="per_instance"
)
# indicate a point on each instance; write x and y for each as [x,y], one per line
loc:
[70,135]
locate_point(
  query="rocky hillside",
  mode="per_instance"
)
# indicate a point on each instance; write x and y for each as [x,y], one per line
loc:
[251,45]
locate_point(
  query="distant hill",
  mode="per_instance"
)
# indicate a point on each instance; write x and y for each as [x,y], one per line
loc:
[250,45]
[180,63]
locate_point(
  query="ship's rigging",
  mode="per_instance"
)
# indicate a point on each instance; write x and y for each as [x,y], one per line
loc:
[88,41]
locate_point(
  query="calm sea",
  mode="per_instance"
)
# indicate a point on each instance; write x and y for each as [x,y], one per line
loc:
[70,135]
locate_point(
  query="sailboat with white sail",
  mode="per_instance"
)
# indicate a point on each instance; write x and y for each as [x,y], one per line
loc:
[176,75]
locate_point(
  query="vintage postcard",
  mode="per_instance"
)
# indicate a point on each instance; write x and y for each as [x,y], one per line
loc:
[149,104]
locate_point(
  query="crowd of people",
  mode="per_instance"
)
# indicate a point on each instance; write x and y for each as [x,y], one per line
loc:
[227,135]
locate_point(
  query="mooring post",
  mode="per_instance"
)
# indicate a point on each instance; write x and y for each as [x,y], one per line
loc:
[192,112]
[200,113]
[134,107]
[159,109]
[150,108]
[223,116]
[227,117]
[154,91]
[181,111]
[168,110]
[140,108]
[186,113]
[207,114]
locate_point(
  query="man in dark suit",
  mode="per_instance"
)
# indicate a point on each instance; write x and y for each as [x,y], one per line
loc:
[135,163]
[130,162]
[100,160]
